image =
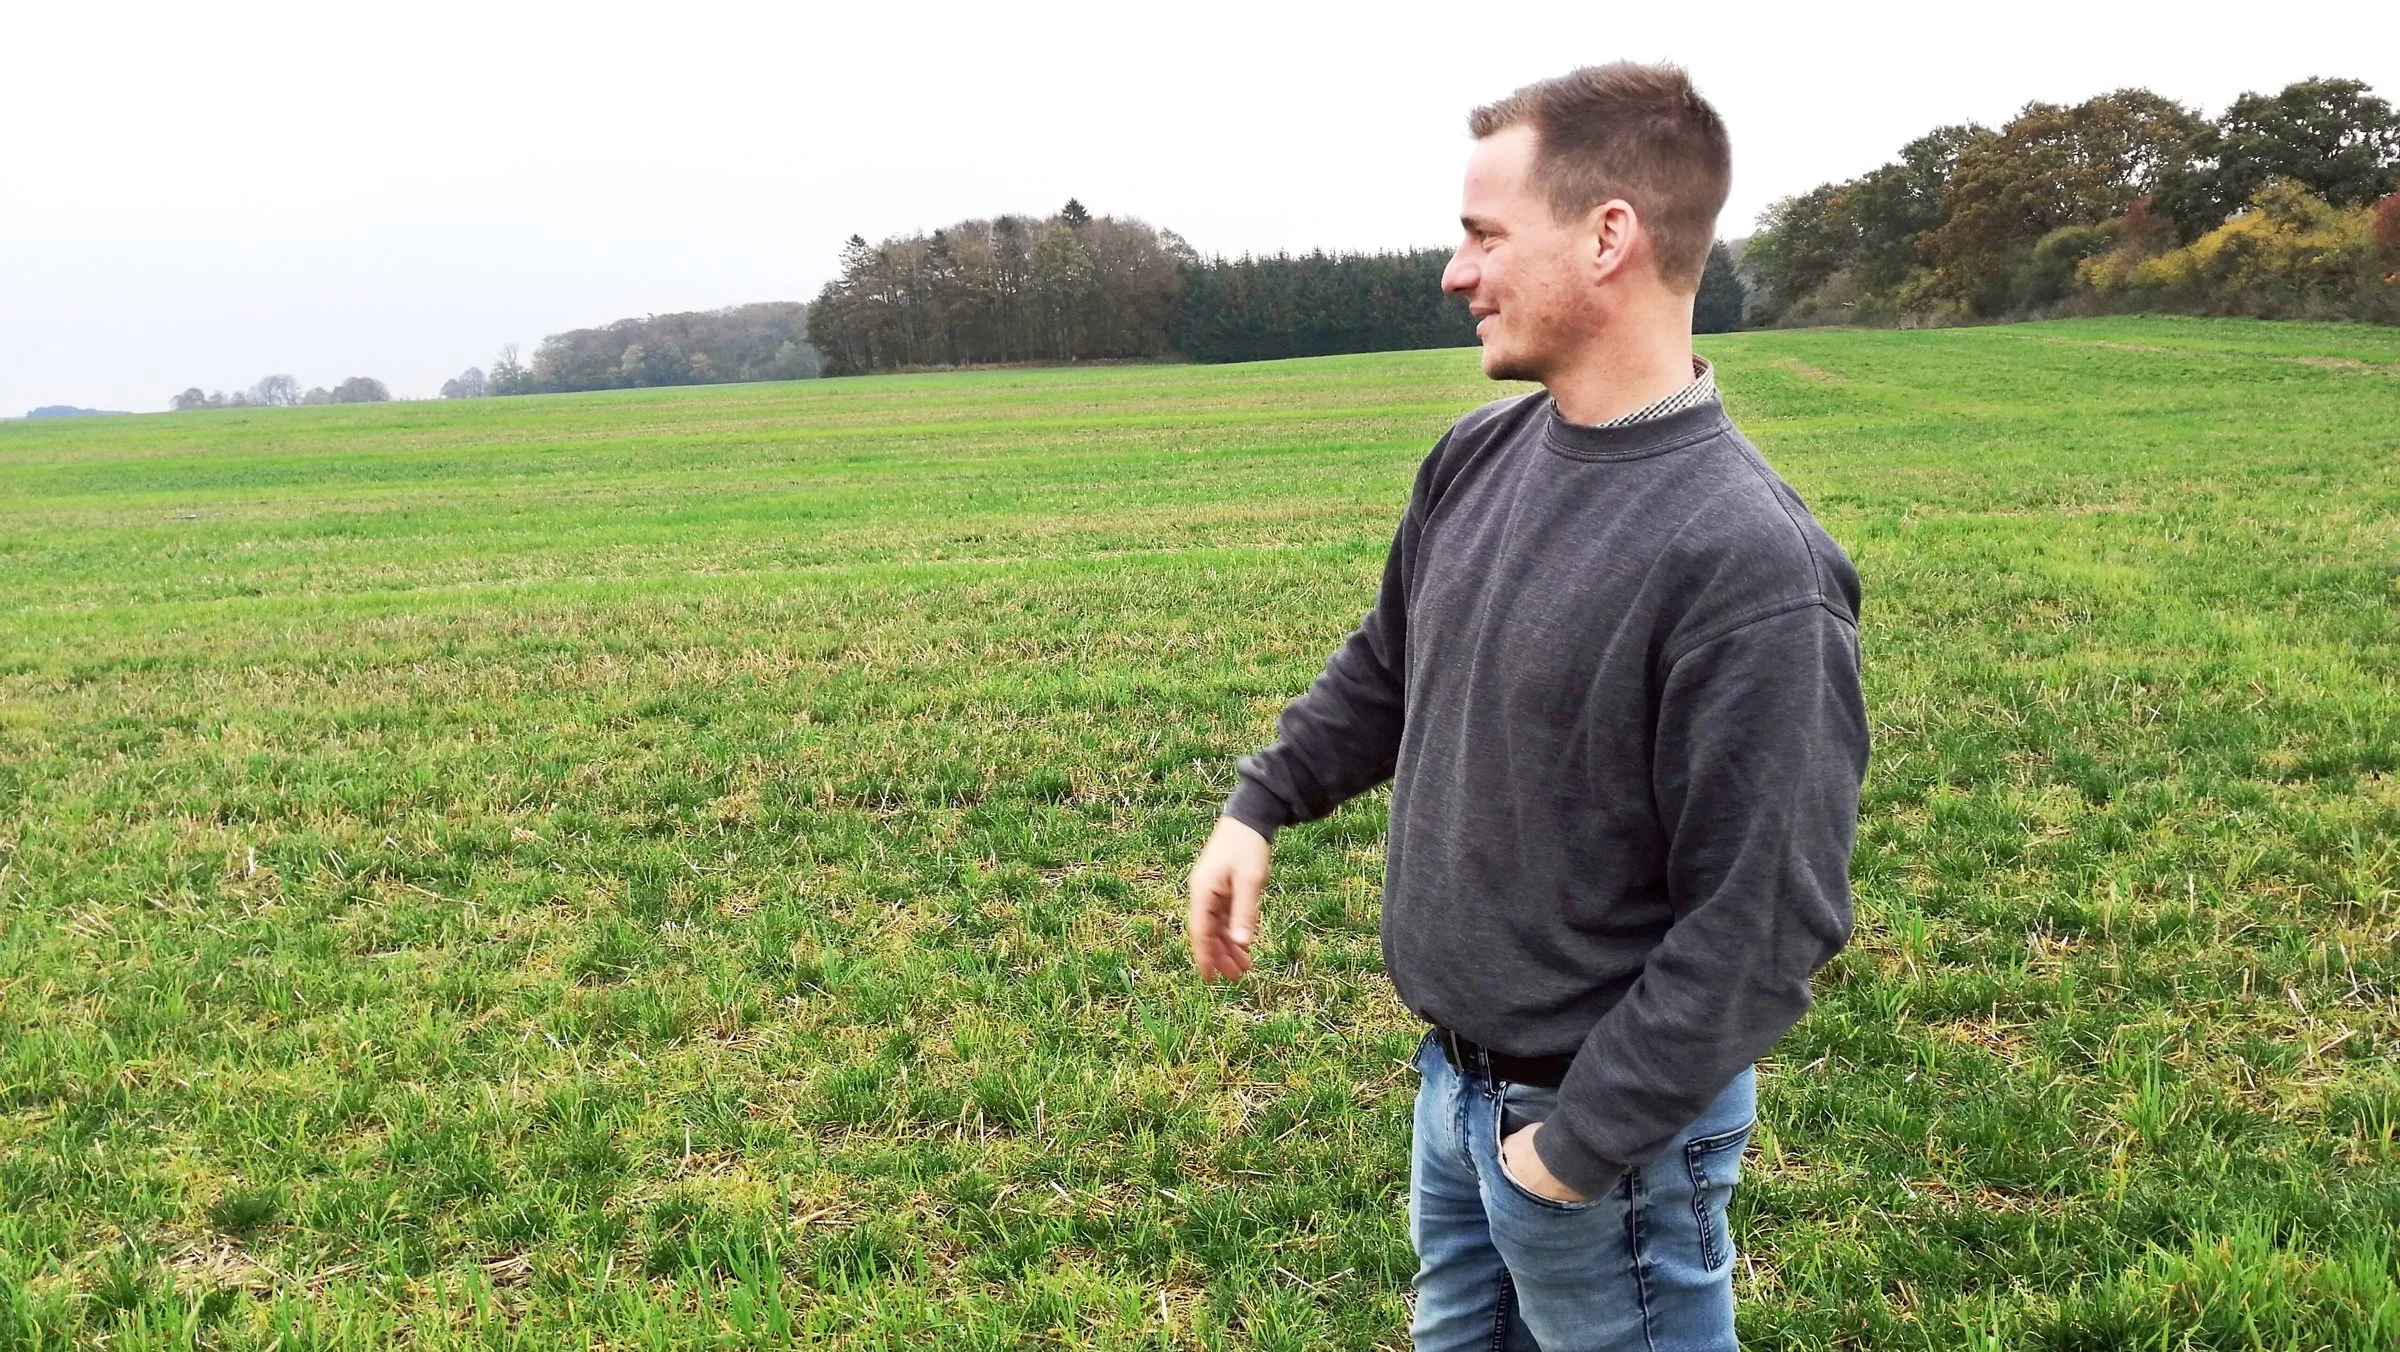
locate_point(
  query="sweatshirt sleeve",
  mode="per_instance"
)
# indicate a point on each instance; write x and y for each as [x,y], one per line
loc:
[1761,749]
[1342,737]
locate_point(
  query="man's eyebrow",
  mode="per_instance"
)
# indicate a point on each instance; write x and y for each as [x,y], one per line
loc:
[1477,223]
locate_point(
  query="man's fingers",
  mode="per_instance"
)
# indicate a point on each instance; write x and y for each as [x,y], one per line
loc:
[1212,952]
[1247,885]
[1200,925]
[1225,888]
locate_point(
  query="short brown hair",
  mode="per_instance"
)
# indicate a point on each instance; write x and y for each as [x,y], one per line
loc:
[1637,132]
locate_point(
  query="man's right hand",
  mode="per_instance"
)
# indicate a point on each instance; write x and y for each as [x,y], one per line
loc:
[1227,879]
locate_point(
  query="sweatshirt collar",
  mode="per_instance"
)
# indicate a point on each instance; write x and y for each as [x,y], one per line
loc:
[1691,414]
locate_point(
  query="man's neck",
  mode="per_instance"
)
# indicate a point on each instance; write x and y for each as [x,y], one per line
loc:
[1627,368]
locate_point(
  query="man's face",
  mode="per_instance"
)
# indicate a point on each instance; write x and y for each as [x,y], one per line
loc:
[1522,270]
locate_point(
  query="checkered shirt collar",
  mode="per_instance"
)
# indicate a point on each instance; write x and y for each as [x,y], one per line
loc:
[1702,390]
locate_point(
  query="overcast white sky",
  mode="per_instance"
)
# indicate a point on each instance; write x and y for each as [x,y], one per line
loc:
[202,194]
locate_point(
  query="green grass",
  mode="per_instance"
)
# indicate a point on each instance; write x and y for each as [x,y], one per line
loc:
[700,867]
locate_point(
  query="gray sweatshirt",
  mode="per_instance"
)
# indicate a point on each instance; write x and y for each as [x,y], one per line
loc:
[1612,673]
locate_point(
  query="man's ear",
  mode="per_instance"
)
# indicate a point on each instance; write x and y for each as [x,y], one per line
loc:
[1616,230]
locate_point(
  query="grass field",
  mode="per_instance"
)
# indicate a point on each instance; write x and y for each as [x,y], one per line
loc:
[700,867]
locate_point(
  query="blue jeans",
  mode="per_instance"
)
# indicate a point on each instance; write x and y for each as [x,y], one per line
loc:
[1646,1268]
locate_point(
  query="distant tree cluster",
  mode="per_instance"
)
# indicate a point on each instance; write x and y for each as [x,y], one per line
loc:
[2283,205]
[284,392]
[1073,287]
[766,341]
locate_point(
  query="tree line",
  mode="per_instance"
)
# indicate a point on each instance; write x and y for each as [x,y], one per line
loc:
[284,392]
[1315,305]
[1077,287]
[767,341]
[2288,204]
[764,341]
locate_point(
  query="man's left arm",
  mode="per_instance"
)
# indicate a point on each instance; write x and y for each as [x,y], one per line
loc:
[1761,748]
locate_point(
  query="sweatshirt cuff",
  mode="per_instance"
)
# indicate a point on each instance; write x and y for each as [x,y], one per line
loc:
[1254,807]
[1573,1163]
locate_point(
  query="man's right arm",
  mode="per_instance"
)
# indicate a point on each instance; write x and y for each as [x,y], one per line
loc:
[1342,737]
[1338,740]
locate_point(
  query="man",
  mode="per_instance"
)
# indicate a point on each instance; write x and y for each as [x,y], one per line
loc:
[1612,671]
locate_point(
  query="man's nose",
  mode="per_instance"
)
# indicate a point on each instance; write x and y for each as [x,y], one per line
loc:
[1459,276]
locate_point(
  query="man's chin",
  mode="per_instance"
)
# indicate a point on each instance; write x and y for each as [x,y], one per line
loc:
[1498,365]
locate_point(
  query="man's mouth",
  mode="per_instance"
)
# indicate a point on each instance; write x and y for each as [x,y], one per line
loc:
[1483,318]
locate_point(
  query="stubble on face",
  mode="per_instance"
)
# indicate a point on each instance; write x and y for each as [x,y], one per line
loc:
[1499,365]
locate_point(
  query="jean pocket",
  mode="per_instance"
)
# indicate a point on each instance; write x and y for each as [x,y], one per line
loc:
[1534,1105]
[1522,1105]
[1715,1165]
[1416,1059]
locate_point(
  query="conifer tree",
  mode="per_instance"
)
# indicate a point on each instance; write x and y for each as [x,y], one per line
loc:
[1718,309]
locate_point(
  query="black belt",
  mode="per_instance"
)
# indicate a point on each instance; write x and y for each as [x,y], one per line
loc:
[1469,1057]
